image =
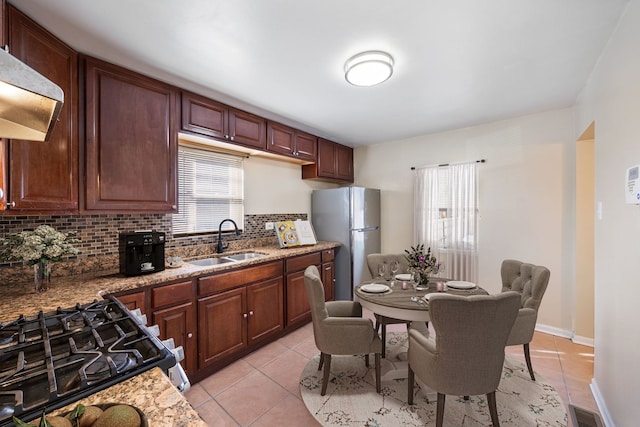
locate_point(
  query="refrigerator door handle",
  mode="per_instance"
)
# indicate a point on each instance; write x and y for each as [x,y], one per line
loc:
[362,230]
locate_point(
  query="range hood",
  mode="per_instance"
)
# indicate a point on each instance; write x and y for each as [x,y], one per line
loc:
[29,102]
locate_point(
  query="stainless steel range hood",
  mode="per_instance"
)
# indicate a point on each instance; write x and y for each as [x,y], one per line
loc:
[29,102]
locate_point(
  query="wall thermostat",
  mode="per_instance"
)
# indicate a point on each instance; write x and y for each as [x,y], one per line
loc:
[632,185]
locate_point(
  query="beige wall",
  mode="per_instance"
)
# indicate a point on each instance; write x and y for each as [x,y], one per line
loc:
[611,99]
[526,197]
[585,207]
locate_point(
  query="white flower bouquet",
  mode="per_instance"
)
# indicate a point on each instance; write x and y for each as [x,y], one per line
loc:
[43,244]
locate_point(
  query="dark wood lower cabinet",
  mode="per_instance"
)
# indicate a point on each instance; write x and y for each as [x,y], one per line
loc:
[220,317]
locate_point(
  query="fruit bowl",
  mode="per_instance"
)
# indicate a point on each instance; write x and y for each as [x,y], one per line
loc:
[104,406]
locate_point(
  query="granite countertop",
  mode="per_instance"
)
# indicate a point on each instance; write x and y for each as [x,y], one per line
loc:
[20,298]
[153,394]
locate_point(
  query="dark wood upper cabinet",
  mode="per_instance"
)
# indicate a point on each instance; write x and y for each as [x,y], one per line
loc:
[43,176]
[290,142]
[209,118]
[130,156]
[334,163]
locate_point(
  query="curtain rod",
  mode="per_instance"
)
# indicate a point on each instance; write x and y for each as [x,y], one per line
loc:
[449,164]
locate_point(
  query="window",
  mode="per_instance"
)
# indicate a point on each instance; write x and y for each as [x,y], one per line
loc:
[210,189]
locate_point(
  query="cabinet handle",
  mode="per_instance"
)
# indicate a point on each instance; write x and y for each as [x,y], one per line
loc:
[232,138]
[251,313]
[226,137]
[244,315]
[327,268]
[189,335]
[12,204]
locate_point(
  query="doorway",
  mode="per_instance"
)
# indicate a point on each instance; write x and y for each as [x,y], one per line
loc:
[585,226]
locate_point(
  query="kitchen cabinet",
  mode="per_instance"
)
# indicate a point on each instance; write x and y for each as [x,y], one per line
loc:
[290,142]
[209,118]
[297,303]
[173,309]
[328,274]
[43,176]
[334,163]
[133,300]
[238,309]
[130,153]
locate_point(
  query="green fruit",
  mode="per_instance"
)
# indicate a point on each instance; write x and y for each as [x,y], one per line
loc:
[57,421]
[119,416]
[89,416]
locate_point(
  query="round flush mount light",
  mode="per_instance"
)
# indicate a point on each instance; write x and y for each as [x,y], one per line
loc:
[368,68]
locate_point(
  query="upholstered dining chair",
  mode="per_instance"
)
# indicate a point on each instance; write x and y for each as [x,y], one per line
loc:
[372,262]
[530,281]
[339,328]
[467,354]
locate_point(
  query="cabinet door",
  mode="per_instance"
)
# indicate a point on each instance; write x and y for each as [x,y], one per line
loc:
[247,129]
[328,280]
[221,326]
[131,141]
[344,162]
[326,158]
[305,146]
[280,139]
[204,116]
[133,301]
[178,322]
[264,301]
[298,308]
[44,175]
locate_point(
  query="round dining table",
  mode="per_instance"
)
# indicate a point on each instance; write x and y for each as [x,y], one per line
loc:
[402,300]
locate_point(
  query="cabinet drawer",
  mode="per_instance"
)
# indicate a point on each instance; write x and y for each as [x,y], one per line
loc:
[303,261]
[328,255]
[235,278]
[175,293]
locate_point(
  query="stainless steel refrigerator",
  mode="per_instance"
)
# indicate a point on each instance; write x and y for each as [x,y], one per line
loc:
[350,216]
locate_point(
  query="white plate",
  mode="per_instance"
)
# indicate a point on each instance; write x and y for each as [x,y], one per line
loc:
[404,277]
[374,288]
[458,284]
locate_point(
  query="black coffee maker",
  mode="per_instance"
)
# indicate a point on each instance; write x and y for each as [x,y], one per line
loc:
[141,252]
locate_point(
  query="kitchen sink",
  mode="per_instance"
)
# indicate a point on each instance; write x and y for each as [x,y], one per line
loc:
[208,262]
[244,256]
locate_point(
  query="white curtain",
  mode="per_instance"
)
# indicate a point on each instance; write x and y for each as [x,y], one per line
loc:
[446,217]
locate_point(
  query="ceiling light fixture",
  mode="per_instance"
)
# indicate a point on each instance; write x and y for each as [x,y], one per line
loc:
[368,68]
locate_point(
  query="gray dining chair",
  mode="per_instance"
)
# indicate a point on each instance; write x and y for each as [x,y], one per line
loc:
[373,260]
[467,354]
[530,281]
[339,328]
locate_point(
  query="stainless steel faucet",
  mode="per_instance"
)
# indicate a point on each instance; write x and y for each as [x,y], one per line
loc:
[221,247]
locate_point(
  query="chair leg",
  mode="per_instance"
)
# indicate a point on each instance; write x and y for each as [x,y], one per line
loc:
[321,361]
[440,410]
[325,374]
[410,380]
[527,357]
[491,400]
[378,385]
[384,340]
[366,360]
[466,398]
[377,326]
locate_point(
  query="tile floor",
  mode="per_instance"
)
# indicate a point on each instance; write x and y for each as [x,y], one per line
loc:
[262,388]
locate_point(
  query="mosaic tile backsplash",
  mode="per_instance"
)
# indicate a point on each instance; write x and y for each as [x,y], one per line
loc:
[99,239]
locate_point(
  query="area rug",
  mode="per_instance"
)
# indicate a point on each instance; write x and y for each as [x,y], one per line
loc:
[351,399]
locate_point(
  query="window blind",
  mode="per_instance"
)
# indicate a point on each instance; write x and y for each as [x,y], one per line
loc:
[210,189]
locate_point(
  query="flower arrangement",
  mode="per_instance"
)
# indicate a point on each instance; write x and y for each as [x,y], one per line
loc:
[424,264]
[42,245]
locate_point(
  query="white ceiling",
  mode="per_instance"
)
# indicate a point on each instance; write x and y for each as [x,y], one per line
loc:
[458,62]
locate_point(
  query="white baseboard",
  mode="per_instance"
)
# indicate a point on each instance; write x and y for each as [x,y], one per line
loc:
[602,407]
[583,340]
[564,333]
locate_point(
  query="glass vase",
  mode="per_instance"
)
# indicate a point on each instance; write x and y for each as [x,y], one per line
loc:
[42,276]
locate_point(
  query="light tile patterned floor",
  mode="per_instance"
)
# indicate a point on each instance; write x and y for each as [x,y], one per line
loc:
[262,388]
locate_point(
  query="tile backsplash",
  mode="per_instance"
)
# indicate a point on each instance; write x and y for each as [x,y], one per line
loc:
[99,238]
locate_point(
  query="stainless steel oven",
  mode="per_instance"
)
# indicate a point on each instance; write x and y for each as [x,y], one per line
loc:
[53,359]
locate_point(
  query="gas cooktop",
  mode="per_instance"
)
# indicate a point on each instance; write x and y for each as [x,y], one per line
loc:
[53,359]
